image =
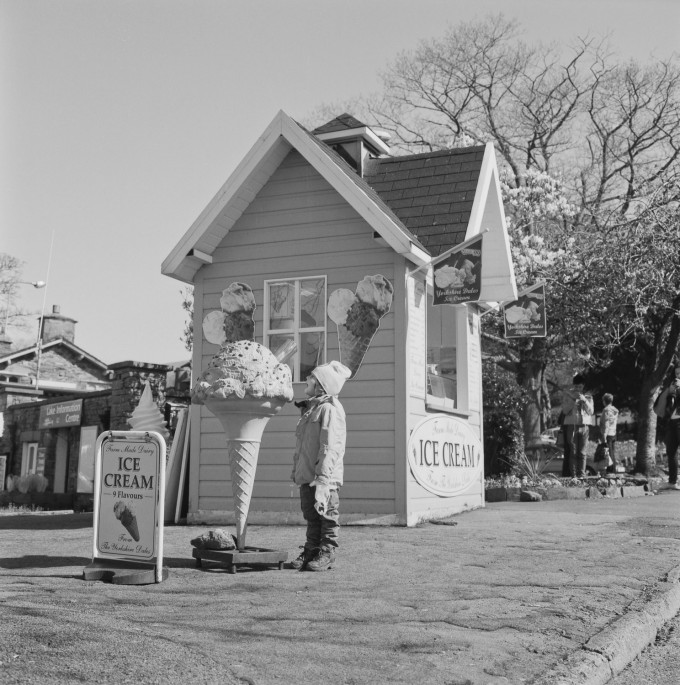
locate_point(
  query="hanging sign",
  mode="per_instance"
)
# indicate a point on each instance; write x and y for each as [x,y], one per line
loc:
[445,455]
[458,276]
[525,317]
[129,493]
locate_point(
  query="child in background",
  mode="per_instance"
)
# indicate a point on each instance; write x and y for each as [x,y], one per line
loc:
[608,420]
[318,465]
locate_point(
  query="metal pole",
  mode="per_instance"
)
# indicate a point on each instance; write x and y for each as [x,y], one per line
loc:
[42,317]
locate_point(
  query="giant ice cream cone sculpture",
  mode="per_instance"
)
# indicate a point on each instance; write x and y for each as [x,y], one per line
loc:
[243,386]
[357,316]
[243,421]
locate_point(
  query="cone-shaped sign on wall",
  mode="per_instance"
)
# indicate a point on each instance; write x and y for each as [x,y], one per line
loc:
[525,317]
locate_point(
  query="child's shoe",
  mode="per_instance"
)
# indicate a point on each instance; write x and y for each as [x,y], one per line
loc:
[323,559]
[300,563]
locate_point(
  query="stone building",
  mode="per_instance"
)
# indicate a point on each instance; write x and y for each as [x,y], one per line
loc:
[56,399]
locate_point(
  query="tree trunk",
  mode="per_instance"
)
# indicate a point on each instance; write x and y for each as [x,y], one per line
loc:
[645,454]
[531,378]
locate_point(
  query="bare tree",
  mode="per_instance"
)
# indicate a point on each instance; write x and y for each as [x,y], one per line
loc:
[10,275]
[610,131]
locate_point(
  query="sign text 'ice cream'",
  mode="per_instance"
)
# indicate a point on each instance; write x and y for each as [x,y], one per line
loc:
[444,454]
[128,479]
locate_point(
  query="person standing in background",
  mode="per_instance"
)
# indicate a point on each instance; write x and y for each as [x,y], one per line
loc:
[667,406]
[579,410]
[608,419]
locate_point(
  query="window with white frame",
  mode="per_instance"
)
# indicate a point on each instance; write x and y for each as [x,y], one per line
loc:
[295,318]
[442,358]
[29,458]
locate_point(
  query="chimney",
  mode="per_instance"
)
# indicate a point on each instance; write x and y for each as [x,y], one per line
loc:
[56,326]
[354,141]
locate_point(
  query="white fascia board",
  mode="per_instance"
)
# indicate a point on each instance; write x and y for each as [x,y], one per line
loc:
[395,237]
[353,133]
[172,265]
[180,263]
[498,274]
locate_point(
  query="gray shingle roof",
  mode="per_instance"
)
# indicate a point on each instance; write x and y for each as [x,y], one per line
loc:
[431,193]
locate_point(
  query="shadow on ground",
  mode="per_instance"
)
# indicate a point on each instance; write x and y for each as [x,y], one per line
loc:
[45,521]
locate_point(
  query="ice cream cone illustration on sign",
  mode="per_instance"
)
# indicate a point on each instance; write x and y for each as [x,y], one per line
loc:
[147,415]
[125,513]
[235,321]
[243,386]
[357,316]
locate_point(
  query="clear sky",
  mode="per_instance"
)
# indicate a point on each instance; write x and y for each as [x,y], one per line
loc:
[120,119]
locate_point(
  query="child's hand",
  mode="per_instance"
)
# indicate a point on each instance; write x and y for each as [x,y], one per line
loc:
[322,494]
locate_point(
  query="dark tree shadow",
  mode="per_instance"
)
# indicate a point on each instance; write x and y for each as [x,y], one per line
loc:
[46,521]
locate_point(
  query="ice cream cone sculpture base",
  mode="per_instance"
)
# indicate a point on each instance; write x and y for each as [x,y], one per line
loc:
[249,556]
[243,421]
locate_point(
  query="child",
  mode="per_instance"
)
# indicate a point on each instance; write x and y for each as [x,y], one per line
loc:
[608,428]
[318,465]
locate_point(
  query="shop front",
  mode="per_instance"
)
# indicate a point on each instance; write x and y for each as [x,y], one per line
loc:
[48,446]
[356,255]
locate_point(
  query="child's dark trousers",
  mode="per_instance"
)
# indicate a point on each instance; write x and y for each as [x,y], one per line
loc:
[322,530]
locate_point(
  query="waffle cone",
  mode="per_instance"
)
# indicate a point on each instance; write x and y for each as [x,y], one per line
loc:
[352,348]
[243,421]
[132,528]
[242,464]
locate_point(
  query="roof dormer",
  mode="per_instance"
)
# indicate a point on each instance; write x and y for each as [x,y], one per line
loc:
[353,140]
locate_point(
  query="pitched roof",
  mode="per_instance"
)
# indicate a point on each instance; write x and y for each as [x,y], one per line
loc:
[28,352]
[432,193]
[420,205]
[363,185]
[196,247]
[340,123]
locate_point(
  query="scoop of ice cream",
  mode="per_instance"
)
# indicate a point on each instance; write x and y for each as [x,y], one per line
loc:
[446,276]
[123,511]
[244,368]
[237,297]
[514,314]
[339,304]
[147,416]
[239,326]
[376,291]
[468,273]
[213,328]
[362,319]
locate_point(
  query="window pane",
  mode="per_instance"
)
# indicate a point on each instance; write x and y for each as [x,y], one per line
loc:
[282,305]
[278,342]
[441,372]
[441,354]
[312,303]
[311,353]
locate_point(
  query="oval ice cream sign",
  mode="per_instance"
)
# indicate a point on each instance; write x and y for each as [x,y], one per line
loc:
[444,454]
